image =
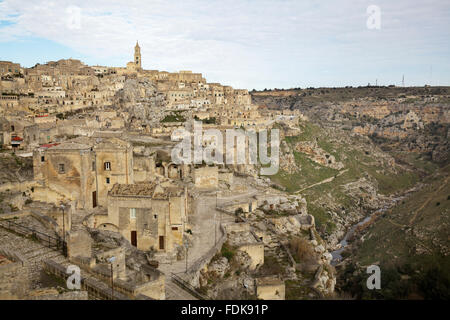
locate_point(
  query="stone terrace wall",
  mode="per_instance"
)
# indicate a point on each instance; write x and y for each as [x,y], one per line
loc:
[14,277]
[96,289]
[193,273]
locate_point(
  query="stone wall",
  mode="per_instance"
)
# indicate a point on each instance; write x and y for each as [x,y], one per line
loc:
[193,273]
[14,276]
[270,288]
[96,289]
[256,253]
[206,177]
[79,244]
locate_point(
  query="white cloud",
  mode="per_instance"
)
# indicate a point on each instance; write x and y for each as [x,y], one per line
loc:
[244,42]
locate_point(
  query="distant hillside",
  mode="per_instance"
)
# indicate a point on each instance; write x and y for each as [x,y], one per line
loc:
[309,96]
[343,176]
[410,244]
[360,150]
[412,119]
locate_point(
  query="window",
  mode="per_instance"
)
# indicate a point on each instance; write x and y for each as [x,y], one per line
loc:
[107,166]
[132,213]
[42,158]
[174,228]
[93,165]
[107,180]
[155,216]
[61,168]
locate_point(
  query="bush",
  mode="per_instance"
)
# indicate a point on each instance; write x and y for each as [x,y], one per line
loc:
[301,249]
[227,251]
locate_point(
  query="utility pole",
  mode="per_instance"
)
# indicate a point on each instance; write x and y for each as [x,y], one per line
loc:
[64,226]
[187,252]
[64,230]
[111,261]
[215,222]
[112,283]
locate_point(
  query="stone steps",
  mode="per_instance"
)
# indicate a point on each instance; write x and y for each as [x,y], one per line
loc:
[34,252]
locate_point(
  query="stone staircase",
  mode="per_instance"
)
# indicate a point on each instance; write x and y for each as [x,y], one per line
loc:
[273,248]
[33,251]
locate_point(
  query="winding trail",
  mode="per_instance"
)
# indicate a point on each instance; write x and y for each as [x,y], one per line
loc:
[430,197]
[327,180]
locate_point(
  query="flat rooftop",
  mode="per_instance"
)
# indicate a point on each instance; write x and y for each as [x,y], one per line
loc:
[4,260]
[152,190]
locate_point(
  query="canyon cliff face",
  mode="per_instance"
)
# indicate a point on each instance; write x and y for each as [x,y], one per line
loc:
[402,119]
[394,146]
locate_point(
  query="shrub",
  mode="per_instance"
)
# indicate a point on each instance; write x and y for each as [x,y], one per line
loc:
[227,251]
[301,249]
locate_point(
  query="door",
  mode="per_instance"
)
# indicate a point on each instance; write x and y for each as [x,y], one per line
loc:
[94,199]
[134,238]
[161,242]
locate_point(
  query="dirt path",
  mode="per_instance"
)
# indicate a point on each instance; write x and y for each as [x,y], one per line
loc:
[323,181]
[431,197]
[205,222]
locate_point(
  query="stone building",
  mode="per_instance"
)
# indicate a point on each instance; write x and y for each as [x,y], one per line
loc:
[5,132]
[14,275]
[137,56]
[148,215]
[206,177]
[270,288]
[83,169]
[8,67]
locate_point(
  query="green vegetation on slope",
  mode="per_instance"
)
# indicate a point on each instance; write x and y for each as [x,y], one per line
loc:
[410,244]
[359,162]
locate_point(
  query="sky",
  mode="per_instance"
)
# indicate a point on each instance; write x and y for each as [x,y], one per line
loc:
[246,44]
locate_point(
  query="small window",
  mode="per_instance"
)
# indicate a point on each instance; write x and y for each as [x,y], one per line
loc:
[93,165]
[61,168]
[155,216]
[107,180]
[175,228]
[132,213]
[107,166]
[42,158]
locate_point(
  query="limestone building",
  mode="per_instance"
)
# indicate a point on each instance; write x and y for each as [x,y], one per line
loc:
[137,56]
[149,215]
[82,169]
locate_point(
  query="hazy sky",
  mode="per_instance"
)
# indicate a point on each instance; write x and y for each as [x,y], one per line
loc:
[247,44]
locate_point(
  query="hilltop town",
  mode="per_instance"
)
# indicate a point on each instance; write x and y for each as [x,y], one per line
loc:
[87,179]
[88,182]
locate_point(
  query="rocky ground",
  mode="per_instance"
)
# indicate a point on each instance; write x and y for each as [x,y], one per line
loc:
[389,140]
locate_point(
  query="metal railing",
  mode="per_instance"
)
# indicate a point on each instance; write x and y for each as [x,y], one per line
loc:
[188,287]
[55,243]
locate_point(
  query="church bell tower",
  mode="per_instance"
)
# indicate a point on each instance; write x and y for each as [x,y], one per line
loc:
[137,56]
